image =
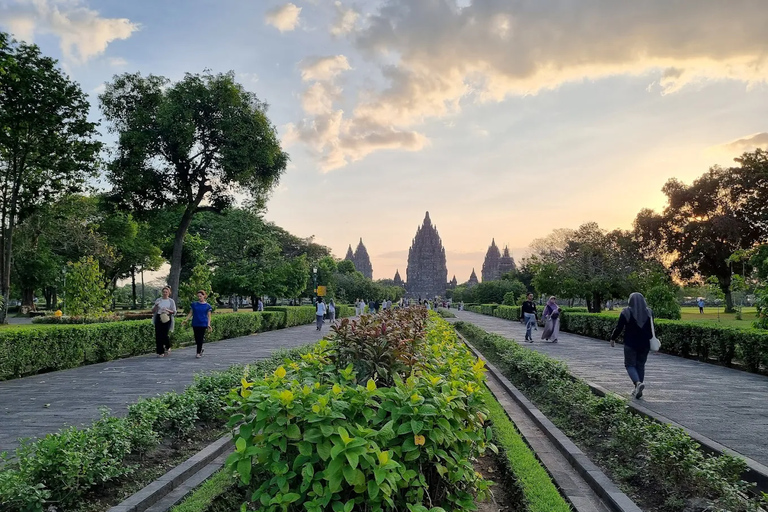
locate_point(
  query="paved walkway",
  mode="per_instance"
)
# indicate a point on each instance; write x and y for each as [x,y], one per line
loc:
[37,405]
[728,406]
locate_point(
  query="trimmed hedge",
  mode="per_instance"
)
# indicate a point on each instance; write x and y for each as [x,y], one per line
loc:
[687,339]
[47,348]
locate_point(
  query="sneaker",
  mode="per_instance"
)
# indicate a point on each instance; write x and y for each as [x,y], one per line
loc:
[199,356]
[554,341]
[639,390]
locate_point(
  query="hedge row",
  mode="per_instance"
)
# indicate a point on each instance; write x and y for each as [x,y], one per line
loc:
[46,348]
[63,469]
[664,467]
[687,339]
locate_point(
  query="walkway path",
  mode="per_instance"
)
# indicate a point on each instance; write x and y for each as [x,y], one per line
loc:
[728,406]
[37,405]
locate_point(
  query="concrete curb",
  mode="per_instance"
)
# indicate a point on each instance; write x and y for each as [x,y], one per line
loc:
[597,480]
[756,472]
[174,478]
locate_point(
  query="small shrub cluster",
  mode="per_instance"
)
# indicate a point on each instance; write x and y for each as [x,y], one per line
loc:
[642,453]
[68,320]
[687,339]
[663,301]
[446,313]
[318,436]
[62,468]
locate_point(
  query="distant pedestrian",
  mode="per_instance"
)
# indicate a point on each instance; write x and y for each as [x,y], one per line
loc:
[701,305]
[200,313]
[260,305]
[528,315]
[320,313]
[636,321]
[163,313]
[552,321]
[331,311]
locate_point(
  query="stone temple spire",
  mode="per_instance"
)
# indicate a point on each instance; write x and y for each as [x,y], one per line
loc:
[506,262]
[472,279]
[398,280]
[363,261]
[350,255]
[427,273]
[490,270]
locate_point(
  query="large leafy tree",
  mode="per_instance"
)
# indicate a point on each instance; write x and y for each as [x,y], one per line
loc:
[46,141]
[189,145]
[706,222]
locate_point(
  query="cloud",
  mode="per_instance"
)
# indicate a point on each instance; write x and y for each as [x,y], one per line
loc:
[285,18]
[434,58]
[323,68]
[344,21]
[82,32]
[746,144]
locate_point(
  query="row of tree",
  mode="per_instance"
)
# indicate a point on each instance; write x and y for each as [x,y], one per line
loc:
[183,153]
[714,230]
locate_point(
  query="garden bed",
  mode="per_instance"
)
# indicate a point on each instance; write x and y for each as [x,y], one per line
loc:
[658,465]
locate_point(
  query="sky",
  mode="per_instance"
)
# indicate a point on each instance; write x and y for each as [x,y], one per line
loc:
[504,119]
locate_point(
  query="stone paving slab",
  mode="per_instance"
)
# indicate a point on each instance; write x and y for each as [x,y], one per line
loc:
[726,405]
[41,404]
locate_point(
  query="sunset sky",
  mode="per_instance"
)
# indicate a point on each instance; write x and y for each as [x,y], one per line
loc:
[503,118]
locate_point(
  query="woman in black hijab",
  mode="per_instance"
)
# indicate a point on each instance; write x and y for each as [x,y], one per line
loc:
[635,320]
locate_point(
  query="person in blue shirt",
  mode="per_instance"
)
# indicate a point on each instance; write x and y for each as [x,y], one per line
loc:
[700,303]
[200,313]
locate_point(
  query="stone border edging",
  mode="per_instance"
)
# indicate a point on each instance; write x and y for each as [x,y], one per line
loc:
[157,490]
[756,472]
[597,480]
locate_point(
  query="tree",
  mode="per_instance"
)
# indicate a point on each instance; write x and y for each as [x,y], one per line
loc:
[85,293]
[347,267]
[189,145]
[702,225]
[200,280]
[46,141]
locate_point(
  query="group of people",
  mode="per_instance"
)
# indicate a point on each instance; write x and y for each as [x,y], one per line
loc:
[635,322]
[322,310]
[164,319]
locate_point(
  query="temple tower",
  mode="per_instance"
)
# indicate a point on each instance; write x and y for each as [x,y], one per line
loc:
[506,263]
[490,270]
[472,279]
[398,280]
[362,260]
[427,273]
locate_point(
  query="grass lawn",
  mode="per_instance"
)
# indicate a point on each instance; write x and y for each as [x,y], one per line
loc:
[711,316]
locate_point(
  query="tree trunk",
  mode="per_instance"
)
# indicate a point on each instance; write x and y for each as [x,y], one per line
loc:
[233,300]
[28,298]
[254,302]
[142,288]
[49,292]
[597,302]
[133,287]
[725,287]
[178,247]
[5,285]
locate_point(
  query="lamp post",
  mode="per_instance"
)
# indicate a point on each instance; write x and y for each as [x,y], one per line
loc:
[314,283]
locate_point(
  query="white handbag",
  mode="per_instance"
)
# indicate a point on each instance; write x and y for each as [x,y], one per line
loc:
[655,342]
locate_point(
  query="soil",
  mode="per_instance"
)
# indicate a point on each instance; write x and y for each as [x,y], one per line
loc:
[150,466]
[505,494]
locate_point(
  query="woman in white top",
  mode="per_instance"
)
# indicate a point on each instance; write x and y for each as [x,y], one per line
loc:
[163,314]
[331,311]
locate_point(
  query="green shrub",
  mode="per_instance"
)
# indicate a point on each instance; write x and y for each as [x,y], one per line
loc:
[312,437]
[85,290]
[67,320]
[645,454]
[40,349]
[62,468]
[686,339]
[663,303]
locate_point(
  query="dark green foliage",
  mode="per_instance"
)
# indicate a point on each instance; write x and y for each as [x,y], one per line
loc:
[47,348]
[644,454]
[62,468]
[663,301]
[687,339]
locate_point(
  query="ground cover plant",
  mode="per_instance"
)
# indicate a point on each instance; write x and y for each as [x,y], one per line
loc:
[68,468]
[707,342]
[388,415]
[659,465]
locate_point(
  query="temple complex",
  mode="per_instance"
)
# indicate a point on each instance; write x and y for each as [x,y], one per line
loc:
[398,280]
[496,265]
[427,273]
[361,259]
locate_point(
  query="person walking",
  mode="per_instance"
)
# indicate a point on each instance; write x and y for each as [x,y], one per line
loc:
[163,313]
[320,312]
[552,321]
[260,305]
[528,315]
[331,311]
[700,303]
[636,321]
[200,313]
